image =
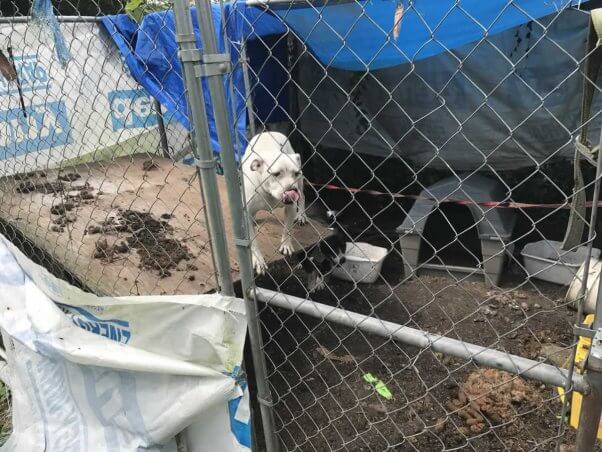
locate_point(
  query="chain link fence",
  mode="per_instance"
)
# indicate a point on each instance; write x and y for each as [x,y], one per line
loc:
[94,172]
[452,157]
[443,137]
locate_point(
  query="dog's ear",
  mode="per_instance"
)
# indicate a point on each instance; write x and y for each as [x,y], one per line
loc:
[257,165]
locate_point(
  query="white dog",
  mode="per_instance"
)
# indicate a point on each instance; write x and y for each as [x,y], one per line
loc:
[272,179]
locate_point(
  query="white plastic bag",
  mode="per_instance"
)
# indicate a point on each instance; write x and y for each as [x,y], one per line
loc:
[117,374]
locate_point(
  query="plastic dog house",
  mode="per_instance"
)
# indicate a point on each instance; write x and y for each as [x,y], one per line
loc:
[494,225]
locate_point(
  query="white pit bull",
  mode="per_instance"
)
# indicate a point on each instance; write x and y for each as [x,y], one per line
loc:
[272,179]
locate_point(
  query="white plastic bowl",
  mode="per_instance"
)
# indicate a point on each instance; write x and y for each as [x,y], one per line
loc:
[547,261]
[363,263]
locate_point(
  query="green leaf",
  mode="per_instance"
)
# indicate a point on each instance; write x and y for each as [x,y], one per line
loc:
[137,9]
[378,385]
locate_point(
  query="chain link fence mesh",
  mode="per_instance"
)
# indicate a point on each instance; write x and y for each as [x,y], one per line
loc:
[94,187]
[375,144]
[93,165]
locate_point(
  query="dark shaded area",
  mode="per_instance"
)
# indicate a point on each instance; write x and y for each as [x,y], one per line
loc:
[64,7]
[39,256]
[374,217]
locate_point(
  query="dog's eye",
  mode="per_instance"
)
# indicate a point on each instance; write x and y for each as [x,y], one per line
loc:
[276,174]
[297,173]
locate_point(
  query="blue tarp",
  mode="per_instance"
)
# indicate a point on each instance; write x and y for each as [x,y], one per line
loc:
[357,35]
[151,54]
[515,104]
[353,35]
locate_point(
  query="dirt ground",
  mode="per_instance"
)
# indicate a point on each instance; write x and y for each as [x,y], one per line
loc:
[131,226]
[317,368]
[438,403]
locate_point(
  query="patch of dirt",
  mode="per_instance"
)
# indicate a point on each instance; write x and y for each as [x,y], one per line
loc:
[69,177]
[149,236]
[62,208]
[149,165]
[40,186]
[30,175]
[492,395]
[316,367]
[108,253]
[70,196]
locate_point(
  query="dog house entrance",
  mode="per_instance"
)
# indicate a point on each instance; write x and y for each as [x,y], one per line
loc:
[450,239]
[448,242]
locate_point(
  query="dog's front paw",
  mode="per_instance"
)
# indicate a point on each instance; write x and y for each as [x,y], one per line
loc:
[286,248]
[320,283]
[301,218]
[259,264]
[315,283]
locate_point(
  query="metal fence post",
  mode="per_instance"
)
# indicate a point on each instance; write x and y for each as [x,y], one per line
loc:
[201,148]
[591,408]
[218,96]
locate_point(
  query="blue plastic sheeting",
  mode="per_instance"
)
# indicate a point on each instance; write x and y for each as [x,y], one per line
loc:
[515,104]
[151,54]
[43,13]
[358,35]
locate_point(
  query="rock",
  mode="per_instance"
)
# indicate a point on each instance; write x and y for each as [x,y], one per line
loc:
[537,306]
[525,306]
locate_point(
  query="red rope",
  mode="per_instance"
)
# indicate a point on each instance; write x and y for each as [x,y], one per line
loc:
[464,202]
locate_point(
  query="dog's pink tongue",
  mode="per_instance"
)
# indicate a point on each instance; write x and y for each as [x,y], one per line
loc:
[290,196]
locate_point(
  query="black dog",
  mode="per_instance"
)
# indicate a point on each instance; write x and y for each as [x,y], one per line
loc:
[322,257]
